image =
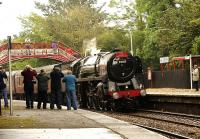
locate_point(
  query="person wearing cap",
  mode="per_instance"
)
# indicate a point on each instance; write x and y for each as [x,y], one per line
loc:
[28,81]
[55,97]
[3,89]
[70,84]
[42,79]
[195,77]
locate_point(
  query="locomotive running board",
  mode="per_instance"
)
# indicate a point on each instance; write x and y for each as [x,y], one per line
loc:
[89,79]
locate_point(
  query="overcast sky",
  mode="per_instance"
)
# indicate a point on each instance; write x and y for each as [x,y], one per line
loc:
[11,9]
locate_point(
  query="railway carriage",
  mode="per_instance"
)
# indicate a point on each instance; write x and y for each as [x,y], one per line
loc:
[18,86]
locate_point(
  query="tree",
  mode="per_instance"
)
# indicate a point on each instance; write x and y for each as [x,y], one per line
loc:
[35,29]
[112,38]
[68,21]
[181,26]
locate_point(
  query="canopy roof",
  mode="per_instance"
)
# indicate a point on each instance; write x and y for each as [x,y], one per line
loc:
[185,58]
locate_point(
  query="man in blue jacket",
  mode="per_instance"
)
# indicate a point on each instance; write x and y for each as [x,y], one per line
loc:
[70,84]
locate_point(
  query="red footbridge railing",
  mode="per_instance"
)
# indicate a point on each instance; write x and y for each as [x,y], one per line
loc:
[50,50]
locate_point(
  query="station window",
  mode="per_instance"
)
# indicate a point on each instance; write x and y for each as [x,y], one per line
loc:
[20,81]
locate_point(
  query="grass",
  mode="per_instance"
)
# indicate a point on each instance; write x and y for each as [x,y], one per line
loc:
[7,121]
[15,122]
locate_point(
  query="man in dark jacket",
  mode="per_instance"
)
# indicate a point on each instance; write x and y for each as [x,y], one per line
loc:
[3,89]
[56,76]
[28,74]
[42,88]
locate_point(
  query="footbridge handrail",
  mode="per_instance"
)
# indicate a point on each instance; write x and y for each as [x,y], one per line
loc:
[51,50]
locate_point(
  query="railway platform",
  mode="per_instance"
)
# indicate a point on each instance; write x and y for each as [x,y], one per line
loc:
[173,100]
[63,124]
[172,92]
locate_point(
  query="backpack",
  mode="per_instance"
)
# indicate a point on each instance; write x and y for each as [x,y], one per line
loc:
[2,85]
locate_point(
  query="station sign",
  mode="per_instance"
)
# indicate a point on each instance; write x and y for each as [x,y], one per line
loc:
[164,60]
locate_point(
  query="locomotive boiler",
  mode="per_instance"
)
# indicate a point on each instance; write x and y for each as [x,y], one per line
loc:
[109,80]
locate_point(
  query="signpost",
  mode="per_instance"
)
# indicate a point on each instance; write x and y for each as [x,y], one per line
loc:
[10,74]
[191,83]
[164,60]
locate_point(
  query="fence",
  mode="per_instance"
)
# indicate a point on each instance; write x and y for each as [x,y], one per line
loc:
[169,79]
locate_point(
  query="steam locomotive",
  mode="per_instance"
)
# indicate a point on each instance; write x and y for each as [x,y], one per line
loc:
[109,80]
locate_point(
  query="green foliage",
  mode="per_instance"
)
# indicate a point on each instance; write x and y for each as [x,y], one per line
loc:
[35,29]
[113,38]
[138,42]
[68,21]
[172,28]
[181,27]
[196,46]
[34,62]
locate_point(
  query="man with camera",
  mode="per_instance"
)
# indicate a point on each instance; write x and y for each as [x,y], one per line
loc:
[29,74]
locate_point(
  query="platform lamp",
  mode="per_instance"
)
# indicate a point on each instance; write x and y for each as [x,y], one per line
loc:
[129,29]
[10,74]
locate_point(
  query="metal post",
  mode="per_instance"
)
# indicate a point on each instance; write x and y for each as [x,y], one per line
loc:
[10,75]
[191,84]
[0,105]
[131,37]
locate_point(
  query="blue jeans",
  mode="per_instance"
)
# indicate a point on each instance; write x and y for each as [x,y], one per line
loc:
[71,99]
[4,92]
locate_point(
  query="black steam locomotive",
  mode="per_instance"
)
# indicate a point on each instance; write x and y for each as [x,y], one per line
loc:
[109,80]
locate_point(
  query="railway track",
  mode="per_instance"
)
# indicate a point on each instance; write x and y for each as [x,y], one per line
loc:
[175,118]
[172,125]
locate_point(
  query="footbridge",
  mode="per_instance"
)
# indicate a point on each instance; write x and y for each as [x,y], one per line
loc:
[50,50]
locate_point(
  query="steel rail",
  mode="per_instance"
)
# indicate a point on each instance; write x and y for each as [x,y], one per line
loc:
[171,113]
[174,122]
[171,134]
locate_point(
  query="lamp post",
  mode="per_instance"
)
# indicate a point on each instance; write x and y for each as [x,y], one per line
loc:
[191,83]
[10,74]
[131,37]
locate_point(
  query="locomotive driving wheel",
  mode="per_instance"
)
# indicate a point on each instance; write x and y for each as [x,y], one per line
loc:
[96,102]
[90,102]
[115,106]
[89,96]
[100,99]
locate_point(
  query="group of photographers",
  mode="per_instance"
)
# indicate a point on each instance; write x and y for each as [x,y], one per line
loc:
[55,97]
[56,76]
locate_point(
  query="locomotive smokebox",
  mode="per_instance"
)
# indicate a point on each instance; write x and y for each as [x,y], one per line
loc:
[122,66]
